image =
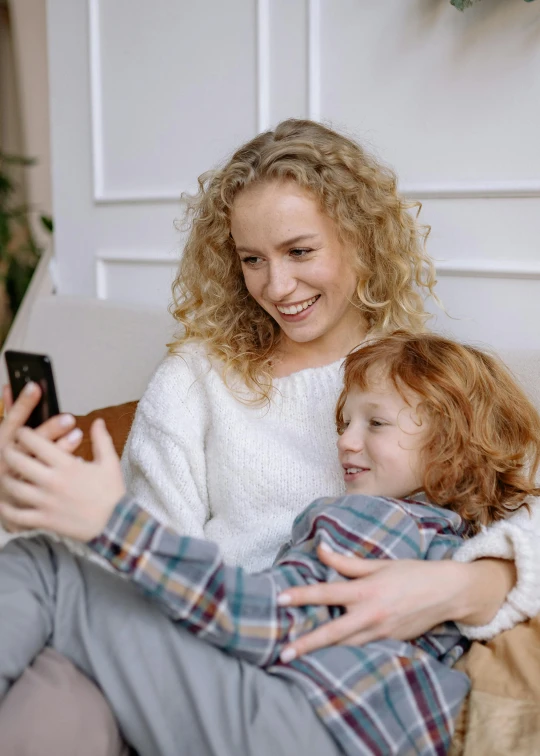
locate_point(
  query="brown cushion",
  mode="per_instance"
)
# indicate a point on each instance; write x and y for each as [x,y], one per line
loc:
[118,420]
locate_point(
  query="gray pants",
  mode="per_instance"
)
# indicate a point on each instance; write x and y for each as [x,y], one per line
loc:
[173,694]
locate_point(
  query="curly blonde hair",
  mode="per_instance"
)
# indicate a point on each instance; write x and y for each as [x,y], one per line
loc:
[482,449]
[359,194]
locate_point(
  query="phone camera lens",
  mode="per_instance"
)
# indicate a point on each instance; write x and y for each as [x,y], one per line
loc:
[25,368]
[17,374]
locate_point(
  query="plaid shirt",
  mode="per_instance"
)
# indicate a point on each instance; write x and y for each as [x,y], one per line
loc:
[386,697]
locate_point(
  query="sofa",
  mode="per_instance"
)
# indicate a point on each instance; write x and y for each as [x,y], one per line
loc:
[103,355]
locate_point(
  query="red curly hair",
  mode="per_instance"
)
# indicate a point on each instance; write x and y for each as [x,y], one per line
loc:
[482,447]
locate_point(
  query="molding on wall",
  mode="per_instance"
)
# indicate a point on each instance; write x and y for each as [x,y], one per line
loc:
[459,268]
[314,59]
[471,189]
[95,98]
[142,257]
[524,269]
[263,65]
[103,196]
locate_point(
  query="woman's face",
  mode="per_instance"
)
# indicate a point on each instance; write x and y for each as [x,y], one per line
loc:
[295,266]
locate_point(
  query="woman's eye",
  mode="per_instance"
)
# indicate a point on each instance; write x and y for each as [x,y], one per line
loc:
[299,252]
[377,423]
[250,260]
[342,427]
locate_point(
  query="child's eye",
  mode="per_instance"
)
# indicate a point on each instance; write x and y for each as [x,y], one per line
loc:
[299,253]
[342,427]
[374,423]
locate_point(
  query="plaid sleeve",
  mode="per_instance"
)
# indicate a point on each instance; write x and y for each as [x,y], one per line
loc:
[230,608]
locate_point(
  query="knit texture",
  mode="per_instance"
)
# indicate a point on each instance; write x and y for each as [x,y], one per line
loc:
[214,467]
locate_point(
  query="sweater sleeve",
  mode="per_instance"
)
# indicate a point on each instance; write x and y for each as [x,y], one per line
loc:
[516,538]
[164,460]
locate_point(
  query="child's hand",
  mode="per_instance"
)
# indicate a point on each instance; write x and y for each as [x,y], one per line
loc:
[55,491]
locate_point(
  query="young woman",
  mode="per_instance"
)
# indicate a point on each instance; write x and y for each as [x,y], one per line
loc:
[299,248]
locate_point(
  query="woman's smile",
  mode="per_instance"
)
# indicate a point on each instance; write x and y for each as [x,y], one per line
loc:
[297,311]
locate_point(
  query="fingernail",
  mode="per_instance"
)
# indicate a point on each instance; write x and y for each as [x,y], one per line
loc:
[283,599]
[30,387]
[74,436]
[287,655]
[66,420]
[325,547]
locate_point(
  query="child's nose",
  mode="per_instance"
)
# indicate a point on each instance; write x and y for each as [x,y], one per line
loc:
[350,441]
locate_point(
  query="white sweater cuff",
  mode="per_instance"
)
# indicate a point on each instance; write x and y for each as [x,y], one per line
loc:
[506,540]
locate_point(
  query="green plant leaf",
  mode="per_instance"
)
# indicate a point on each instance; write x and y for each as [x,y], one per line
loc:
[47,222]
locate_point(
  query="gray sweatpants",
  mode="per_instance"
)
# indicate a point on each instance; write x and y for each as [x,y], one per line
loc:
[173,694]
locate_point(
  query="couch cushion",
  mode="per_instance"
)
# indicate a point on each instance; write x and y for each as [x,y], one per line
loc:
[118,420]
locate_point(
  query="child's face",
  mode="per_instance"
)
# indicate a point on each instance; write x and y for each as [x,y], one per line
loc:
[380,443]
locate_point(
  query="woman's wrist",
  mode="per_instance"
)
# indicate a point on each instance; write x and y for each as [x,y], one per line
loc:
[485,584]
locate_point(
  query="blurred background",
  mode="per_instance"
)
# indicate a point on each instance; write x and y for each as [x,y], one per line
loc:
[123,103]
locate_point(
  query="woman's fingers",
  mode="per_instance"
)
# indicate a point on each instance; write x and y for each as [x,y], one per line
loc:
[349,566]
[329,634]
[335,594]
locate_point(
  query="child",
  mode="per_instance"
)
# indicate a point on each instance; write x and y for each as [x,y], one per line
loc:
[430,431]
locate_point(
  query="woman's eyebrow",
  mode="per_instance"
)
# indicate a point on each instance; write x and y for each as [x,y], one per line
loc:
[286,243]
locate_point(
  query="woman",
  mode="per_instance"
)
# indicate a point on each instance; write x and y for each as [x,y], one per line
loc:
[299,247]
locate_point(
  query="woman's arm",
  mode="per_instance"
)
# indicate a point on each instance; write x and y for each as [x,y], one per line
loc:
[505,588]
[403,599]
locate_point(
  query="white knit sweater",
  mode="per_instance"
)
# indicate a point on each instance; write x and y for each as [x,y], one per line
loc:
[217,468]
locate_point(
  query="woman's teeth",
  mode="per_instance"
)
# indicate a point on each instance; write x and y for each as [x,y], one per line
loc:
[295,309]
[353,470]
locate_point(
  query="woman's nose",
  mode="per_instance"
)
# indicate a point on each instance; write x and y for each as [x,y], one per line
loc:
[280,283]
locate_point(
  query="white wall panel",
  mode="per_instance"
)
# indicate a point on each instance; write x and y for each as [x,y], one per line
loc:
[145,96]
[445,96]
[134,276]
[173,89]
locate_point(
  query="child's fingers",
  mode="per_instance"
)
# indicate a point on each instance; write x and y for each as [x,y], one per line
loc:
[102,444]
[20,411]
[25,494]
[18,518]
[70,442]
[7,397]
[44,450]
[26,467]
[56,427]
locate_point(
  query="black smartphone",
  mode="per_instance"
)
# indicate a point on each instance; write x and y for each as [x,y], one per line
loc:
[24,367]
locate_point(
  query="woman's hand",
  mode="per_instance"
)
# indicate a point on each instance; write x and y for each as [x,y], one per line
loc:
[52,490]
[391,599]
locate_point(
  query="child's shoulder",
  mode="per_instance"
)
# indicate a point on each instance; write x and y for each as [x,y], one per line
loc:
[353,518]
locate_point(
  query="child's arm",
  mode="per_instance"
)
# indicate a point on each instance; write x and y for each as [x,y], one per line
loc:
[86,500]
[227,606]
